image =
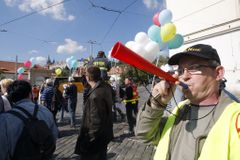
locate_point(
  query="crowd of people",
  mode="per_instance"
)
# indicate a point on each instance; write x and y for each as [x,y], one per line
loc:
[204,125]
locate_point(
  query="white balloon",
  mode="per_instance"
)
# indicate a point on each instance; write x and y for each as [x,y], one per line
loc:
[137,48]
[130,44]
[152,48]
[142,38]
[109,53]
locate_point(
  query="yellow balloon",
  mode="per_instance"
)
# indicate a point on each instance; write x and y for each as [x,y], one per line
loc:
[168,31]
[58,71]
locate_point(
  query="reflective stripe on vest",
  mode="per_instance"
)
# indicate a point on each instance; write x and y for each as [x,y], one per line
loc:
[133,101]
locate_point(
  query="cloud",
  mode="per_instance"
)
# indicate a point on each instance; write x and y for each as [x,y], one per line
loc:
[39,60]
[57,12]
[154,4]
[70,47]
[33,52]
[10,3]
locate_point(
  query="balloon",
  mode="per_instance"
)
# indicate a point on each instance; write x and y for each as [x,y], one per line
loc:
[33,61]
[27,64]
[176,42]
[141,38]
[58,71]
[155,19]
[74,64]
[20,76]
[165,16]
[168,31]
[137,48]
[69,62]
[130,44]
[20,70]
[154,33]
[152,48]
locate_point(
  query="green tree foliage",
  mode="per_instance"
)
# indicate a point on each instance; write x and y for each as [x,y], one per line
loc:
[137,75]
[1,75]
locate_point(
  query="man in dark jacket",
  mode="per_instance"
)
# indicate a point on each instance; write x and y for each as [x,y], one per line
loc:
[97,127]
[71,94]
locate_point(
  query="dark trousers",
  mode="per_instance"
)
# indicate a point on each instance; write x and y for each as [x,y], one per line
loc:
[72,104]
[101,155]
[131,112]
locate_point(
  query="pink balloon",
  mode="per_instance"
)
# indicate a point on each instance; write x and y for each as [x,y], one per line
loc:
[27,64]
[155,19]
[20,76]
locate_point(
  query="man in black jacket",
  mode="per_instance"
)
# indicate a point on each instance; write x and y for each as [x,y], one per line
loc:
[71,94]
[97,127]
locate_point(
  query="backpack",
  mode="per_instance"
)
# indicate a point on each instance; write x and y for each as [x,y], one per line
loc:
[36,141]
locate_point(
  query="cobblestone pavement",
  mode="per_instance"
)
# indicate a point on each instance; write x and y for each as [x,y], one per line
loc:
[123,147]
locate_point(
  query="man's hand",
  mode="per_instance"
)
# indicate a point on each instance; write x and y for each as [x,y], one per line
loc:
[162,93]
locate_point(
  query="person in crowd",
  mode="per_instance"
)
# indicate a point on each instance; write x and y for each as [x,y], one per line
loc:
[102,62]
[64,105]
[71,95]
[6,105]
[35,93]
[58,100]
[42,87]
[204,126]
[20,93]
[47,94]
[97,127]
[131,102]
[117,101]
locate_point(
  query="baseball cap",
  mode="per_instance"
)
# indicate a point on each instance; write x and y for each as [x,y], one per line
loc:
[200,50]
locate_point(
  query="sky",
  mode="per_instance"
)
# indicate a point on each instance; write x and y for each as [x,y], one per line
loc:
[65,28]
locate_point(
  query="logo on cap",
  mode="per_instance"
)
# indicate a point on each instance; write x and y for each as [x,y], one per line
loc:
[193,49]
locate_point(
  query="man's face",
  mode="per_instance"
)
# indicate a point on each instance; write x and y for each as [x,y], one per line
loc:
[127,81]
[201,79]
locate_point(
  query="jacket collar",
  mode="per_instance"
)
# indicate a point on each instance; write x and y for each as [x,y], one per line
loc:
[96,86]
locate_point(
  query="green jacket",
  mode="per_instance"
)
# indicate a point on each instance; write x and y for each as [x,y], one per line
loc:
[222,143]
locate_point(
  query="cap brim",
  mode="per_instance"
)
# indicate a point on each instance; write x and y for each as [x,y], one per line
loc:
[174,60]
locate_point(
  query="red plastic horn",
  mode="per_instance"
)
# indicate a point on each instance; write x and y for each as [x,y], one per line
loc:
[126,55]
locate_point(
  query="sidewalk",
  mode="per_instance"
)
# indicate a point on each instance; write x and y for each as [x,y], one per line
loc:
[123,147]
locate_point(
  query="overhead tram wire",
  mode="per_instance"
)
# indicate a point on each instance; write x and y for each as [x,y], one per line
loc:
[115,20]
[32,13]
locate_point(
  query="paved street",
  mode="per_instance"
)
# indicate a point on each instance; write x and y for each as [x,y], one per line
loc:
[123,147]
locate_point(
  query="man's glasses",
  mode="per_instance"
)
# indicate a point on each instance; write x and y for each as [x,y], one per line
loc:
[193,69]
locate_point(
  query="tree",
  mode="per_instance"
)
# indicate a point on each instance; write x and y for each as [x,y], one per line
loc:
[1,75]
[139,76]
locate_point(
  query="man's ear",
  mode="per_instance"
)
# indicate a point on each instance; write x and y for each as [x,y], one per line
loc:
[220,71]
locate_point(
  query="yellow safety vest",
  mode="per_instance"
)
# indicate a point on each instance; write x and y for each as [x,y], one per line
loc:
[222,143]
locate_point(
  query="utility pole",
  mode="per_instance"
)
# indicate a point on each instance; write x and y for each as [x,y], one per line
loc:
[16,67]
[92,42]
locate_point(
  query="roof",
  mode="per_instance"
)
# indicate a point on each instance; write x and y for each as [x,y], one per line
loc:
[10,67]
